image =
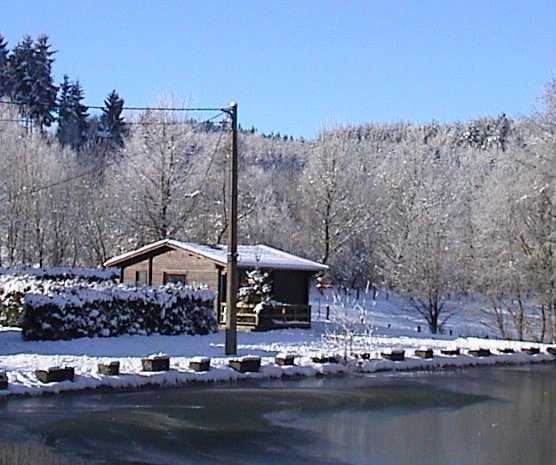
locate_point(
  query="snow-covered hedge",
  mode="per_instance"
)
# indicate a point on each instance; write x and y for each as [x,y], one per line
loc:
[15,282]
[93,309]
[14,288]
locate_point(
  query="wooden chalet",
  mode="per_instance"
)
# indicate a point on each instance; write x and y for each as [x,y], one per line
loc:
[169,261]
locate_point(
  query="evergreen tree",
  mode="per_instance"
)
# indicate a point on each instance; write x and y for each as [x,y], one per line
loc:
[4,87]
[30,79]
[112,125]
[80,113]
[256,288]
[20,75]
[65,125]
[44,90]
[72,114]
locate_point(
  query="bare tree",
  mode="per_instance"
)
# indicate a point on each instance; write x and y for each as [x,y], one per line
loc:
[333,208]
[417,207]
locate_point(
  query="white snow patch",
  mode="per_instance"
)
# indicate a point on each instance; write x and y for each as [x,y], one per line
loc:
[20,358]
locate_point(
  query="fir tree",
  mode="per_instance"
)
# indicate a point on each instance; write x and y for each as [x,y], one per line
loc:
[72,114]
[44,90]
[20,74]
[4,87]
[30,79]
[112,126]
[80,112]
[257,287]
[65,119]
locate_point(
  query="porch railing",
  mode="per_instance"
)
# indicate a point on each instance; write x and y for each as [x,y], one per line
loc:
[274,316]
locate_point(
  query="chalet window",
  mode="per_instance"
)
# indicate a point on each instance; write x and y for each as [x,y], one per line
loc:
[141,277]
[175,278]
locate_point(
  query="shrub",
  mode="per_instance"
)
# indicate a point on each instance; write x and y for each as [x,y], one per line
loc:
[15,282]
[12,291]
[61,273]
[101,309]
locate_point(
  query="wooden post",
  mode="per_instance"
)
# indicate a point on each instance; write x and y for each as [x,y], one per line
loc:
[232,275]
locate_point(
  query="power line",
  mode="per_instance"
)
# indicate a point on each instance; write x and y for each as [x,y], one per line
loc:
[130,123]
[166,123]
[131,108]
[99,107]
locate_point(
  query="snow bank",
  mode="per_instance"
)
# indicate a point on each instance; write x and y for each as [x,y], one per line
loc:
[21,358]
[132,377]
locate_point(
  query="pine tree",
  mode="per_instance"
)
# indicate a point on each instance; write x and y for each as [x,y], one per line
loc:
[65,120]
[4,87]
[30,79]
[257,288]
[20,76]
[44,90]
[112,125]
[72,114]
[80,113]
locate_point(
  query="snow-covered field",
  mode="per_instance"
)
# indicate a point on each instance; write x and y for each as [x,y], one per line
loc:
[394,328]
[392,315]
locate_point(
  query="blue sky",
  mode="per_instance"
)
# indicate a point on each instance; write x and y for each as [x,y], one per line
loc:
[295,66]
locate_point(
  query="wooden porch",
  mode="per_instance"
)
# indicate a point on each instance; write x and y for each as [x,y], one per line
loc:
[274,316]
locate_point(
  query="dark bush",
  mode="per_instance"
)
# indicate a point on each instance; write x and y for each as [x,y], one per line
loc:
[16,282]
[106,310]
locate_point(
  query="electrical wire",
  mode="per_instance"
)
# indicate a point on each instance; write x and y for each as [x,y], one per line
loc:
[99,107]
[126,123]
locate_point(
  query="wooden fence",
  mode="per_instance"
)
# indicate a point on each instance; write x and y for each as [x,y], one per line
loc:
[270,317]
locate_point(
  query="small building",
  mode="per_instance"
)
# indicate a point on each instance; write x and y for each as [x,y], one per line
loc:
[168,261]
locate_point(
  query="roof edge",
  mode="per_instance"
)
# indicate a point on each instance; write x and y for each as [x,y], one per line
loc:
[118,259]
[133,253]
[316,265]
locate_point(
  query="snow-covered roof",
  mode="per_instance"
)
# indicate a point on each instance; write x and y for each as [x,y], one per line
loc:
[249,256]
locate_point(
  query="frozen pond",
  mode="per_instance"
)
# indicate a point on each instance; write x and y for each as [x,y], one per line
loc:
[494,416]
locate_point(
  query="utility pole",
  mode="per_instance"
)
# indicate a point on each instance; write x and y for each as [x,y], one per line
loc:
[232,274]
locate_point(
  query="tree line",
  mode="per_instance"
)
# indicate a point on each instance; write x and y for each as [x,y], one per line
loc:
[442,213]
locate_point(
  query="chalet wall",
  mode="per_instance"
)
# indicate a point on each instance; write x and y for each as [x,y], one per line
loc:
[198,270]
[129,271]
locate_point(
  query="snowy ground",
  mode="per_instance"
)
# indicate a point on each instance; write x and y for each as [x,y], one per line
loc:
[394,328]
[392,315]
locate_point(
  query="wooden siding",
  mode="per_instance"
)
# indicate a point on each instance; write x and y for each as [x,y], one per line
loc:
[129,271]
[198,270]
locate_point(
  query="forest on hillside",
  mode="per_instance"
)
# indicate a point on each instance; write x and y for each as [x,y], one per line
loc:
[429,210]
